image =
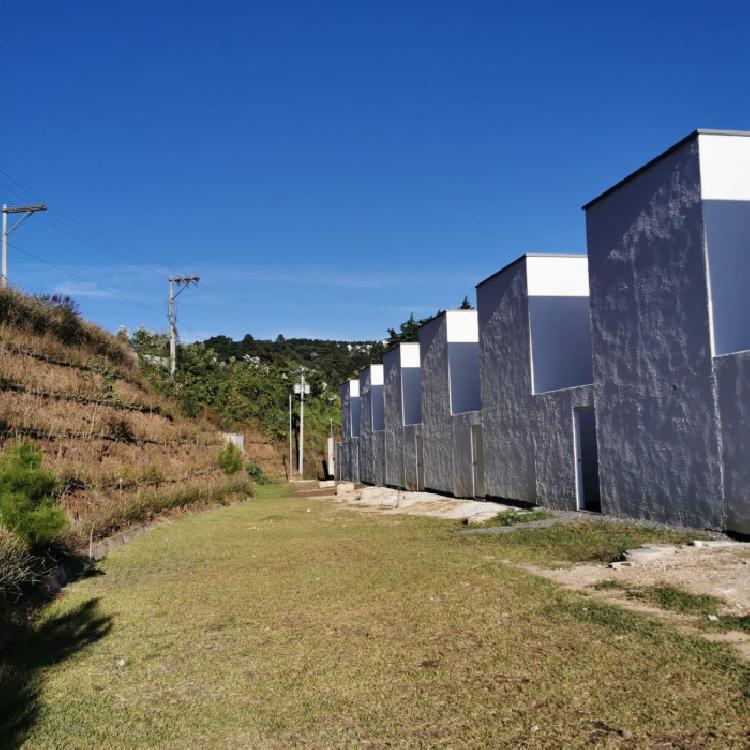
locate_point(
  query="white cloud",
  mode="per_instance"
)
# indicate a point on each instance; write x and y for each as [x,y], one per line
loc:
[81,289]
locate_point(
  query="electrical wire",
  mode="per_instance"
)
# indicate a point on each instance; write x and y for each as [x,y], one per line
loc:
[64,270]
[66,224]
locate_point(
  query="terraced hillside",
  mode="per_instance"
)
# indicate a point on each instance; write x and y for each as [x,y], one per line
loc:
[119,452]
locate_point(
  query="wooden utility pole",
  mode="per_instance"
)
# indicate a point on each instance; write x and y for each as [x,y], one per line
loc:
[180,283]
[26,211]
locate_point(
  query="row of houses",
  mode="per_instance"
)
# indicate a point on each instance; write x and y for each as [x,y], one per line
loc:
[616,381]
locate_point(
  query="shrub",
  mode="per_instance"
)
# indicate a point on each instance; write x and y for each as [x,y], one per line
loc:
[255,473]
[17,564]
[27,504]
[230,459]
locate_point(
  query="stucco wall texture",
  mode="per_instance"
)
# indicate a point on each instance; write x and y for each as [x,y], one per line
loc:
[654,392]
[505,371]
[733,380]
[555,457]
[347,449]
[394,437]
[445,436]
[657,353]
[371,441]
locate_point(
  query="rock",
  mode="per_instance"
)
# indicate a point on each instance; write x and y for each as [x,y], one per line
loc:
[713,618]
[121,663]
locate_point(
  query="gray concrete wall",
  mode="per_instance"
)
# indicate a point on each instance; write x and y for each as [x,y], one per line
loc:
[371,441]
[463,455]
[413,461]
[657,429]
[343,467]
[394,431]
[446,437]
[365,429]
[505,370]
[733,381]
[437,428]
[555,445]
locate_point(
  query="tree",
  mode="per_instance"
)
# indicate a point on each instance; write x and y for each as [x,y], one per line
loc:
[465,304]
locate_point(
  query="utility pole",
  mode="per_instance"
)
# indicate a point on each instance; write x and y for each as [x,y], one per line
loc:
[26,211]
[290,435]
[302,426]
[302,388]
[180,283]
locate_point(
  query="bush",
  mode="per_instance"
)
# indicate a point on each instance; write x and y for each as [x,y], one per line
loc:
[230,459]
[256,473]
[27,504]
[17,565]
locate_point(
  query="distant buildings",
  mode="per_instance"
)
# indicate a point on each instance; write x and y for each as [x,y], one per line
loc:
[616,382]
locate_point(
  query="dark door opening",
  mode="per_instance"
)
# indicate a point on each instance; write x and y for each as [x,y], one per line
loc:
[587,465]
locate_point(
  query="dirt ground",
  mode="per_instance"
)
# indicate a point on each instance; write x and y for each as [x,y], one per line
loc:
[719,568]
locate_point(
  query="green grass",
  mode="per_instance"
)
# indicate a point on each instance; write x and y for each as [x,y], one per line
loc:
[583,541]
[292,622]
[513,516]
[679,600]
[684,602]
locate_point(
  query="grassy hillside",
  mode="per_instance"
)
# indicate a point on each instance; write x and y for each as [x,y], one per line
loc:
[117,451]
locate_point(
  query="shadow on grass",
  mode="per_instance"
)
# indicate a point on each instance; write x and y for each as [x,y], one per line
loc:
[27,649]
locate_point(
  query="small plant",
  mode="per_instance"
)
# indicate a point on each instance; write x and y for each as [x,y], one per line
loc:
[17,565]
[678,600]
[255,473]
[608,584]
[153,475]
[27,504]
[230,459]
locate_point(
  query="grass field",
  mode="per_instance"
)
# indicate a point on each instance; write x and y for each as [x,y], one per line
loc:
[288,621]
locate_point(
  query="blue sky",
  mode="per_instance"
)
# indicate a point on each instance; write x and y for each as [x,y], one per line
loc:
[329,167]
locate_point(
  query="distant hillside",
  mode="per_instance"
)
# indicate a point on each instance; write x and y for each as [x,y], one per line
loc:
[336,361]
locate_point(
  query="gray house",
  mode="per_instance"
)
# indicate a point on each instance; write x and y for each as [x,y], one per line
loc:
[669,262]
[347,451]
[451,420]
[371,426]
[535,364]
[403,417]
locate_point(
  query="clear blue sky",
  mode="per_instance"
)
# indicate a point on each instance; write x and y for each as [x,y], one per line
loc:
[328,167]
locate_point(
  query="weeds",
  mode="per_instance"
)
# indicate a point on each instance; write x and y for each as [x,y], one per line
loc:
[18,567]
[230,459]
[514,516]
[584,541]
[678,600]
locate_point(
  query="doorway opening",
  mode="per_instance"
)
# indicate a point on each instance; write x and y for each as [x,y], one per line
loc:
[587,464]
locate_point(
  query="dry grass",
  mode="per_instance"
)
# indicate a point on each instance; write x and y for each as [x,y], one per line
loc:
[119,451]
[290,622]
[18,567]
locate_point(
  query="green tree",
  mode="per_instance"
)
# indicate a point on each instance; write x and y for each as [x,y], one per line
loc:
[27,503]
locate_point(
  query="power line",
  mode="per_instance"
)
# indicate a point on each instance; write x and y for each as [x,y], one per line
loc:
[67,224]
[84,280]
